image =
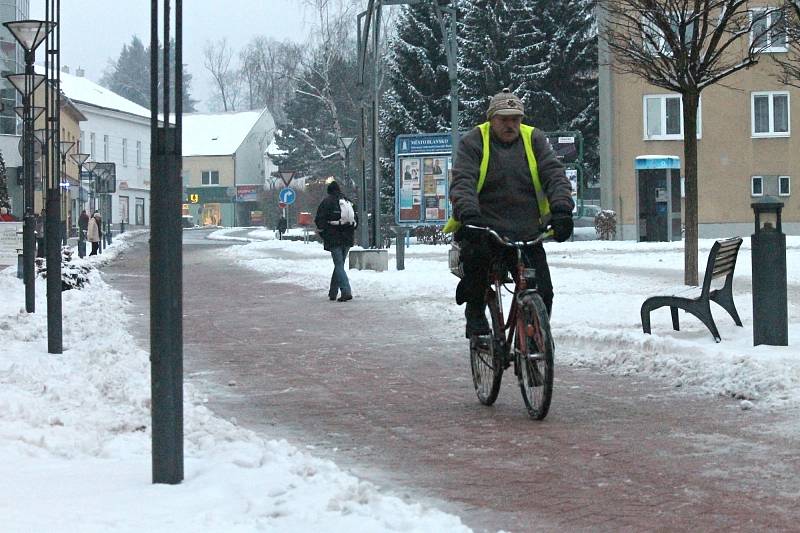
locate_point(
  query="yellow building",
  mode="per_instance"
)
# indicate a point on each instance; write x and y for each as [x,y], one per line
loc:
[748,147]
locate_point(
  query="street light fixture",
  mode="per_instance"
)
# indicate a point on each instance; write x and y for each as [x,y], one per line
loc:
[36,110]
[29,34]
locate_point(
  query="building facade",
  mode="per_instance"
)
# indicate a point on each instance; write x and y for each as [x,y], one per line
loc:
[748,147]
[224,166]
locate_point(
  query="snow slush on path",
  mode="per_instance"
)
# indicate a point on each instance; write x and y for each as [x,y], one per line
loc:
[599,286]
[75,441]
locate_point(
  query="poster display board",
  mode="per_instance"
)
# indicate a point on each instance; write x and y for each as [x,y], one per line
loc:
[422,178]
[10,242]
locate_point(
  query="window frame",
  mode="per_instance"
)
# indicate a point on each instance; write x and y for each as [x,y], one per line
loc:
[138,154]
[771,107]
[124,152]
[210,174]
[789,185]
[669,136]
[771,48]
[753,180]
[92,144]
[106,147]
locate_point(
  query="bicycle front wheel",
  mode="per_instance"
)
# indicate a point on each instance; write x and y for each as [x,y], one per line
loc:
[486,360]
[534,356]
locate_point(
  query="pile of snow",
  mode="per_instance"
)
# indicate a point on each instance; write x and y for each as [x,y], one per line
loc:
[599,286]
[75,441]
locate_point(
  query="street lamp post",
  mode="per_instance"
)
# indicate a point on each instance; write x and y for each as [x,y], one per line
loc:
[90,166]
[80,160]
[363,235]
[29,34]
[64,149]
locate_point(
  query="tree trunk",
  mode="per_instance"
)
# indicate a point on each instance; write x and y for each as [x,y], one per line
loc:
[690,103]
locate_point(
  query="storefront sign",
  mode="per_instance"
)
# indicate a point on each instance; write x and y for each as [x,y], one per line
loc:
[206,195]
[247,193]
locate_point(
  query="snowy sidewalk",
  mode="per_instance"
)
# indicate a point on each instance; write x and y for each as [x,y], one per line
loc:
[75,441]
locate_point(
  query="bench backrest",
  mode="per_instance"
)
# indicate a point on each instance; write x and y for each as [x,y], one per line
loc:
[721,261]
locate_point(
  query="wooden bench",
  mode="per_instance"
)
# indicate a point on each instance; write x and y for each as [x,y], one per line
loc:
[696,300]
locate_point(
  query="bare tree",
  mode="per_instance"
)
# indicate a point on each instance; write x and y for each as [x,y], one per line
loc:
[268,70]
[217,58]
[788,33]
[685,46]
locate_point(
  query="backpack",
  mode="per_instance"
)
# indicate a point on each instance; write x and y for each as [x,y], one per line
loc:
[347,216]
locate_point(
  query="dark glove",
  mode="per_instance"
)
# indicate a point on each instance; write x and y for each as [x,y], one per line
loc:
[562,224]
[469,234]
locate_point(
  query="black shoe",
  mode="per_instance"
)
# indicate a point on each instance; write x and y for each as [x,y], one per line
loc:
[331,298]
[476,320]
[345,298]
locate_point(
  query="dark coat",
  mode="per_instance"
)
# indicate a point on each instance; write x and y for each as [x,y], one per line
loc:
[507,202]
[83,221]
[333,235]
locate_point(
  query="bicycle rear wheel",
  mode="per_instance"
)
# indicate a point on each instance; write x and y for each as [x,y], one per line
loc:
[534,356]
[486,360]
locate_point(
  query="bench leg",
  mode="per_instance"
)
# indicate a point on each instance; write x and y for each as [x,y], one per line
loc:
[703,312]
[675,324]
[725,300]
[645,320]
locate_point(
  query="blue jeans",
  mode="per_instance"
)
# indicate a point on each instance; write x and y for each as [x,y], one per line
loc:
[339,279]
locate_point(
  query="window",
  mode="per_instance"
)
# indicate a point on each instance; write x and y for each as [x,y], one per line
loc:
[757,186]
[784,186]
[140,211]
[654,41]
[663,117]
[124,215]
[768,32]
[124,152]
[105,147]
[210,177]
[138,154]
[770,114]
[92,147]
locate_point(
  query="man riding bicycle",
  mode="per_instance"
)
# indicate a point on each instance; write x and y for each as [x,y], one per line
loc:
[506,177]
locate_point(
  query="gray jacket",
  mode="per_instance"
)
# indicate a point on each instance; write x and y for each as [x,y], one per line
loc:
[507,202]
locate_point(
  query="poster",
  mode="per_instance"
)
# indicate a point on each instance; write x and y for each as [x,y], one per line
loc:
[410,193]
[572,176]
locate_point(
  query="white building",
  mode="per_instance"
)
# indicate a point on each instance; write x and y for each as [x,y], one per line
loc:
[117,131]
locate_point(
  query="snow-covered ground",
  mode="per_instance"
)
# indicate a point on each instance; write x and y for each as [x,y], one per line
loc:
[600,286]
[75,441]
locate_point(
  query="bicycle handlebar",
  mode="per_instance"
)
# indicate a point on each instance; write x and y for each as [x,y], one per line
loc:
[512,244]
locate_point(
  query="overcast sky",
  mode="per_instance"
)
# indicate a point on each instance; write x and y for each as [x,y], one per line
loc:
[92,31]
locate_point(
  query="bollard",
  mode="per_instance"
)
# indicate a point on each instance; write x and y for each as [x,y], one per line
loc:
[122,227]
[400,248]
[770,304]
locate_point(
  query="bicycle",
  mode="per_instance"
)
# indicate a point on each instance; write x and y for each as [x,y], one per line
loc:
[524,339]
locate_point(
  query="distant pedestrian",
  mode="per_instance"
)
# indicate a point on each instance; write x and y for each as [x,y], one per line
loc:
[95,232]
[336,220]
[282,225]
[5,215]
[83,223]
[38,231]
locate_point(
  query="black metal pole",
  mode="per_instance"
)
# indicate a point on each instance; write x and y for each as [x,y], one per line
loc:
[166,284]
[28,229]
[53,226]
[376,143]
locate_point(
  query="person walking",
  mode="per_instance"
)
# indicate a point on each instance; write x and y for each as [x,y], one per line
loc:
[38,231]
[282,226]
[505,177]
[336,221]
[83,223]
[5,215]
[94,232]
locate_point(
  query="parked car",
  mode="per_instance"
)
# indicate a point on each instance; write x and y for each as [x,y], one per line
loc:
[584,222]
[187,221]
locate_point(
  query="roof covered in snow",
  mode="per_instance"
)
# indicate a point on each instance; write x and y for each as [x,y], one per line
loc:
[83,90]
[217,133]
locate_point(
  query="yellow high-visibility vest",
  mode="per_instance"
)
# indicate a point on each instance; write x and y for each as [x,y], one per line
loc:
[527,140]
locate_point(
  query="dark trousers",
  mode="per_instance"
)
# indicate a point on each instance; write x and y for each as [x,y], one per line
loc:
[477,259]
[339,279]
[39,246]
[95,248]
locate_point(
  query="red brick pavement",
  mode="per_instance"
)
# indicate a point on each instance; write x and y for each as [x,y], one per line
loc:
[371,387]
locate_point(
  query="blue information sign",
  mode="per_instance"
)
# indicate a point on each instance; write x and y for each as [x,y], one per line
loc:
[287,196]
[422,178]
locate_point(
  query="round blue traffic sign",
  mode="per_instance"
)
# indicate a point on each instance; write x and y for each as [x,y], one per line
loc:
[287,195]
